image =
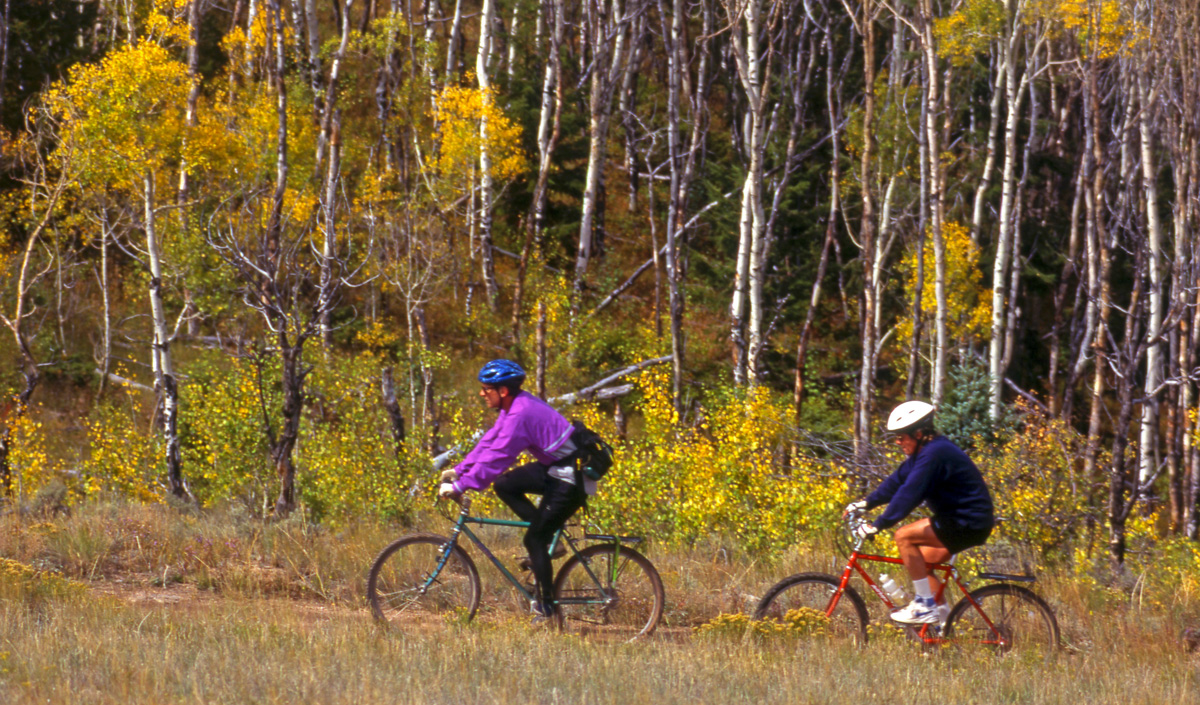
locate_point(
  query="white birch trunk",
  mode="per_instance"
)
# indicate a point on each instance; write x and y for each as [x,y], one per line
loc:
[1154,362]
[165,384]
[513,25]
[452,43]
[482,59]
[936,200]
[748,282]
[603,22]
[989,162]
[1013,91]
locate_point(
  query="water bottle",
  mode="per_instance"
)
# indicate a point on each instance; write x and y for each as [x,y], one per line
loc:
[892,589]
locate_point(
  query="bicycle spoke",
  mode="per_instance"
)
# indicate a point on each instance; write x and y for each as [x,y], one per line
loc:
[1019,622]
[415,576]
[805,603]
[618,594]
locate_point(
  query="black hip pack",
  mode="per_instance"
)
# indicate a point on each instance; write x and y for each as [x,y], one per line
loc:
[592,457]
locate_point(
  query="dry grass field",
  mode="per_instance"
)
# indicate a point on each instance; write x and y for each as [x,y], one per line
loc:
[131,604]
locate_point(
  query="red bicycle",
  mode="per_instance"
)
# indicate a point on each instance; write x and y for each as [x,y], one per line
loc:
[1002,616]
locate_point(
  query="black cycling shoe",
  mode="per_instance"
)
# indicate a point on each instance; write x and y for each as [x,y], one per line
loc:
[524,564]
[545,616]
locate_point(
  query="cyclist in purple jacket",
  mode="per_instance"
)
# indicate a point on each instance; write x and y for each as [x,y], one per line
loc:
[938,473]
[525,424]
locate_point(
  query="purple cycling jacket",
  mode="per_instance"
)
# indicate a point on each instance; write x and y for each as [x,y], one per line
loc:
[530,424]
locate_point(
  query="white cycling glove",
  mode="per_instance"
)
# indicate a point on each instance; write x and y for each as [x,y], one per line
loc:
[447,491]
[855,507]
[865,530]
[449,476]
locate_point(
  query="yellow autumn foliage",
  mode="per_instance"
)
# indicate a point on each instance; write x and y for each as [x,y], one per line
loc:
[717,478]
[970,303]
[460,114]
[125,456]
[29,462]
[969,31]
[1101,26]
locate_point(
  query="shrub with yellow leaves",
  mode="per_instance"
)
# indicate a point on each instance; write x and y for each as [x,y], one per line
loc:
[31,466]
[970,304]
[469,122]
[125,455]
[718,477]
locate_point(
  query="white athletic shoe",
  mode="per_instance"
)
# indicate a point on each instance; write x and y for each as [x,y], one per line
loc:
[943,611]
[919,611]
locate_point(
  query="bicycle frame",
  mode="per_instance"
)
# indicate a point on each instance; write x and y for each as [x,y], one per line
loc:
[925,633]
[462,527]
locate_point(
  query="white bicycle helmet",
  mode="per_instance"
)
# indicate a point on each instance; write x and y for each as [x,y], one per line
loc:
[910,416]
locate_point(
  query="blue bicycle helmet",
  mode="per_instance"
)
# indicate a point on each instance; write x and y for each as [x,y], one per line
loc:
[502,373]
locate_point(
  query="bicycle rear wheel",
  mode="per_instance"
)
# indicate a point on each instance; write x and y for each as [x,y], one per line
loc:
[624,600]
[1020,622]
[807,600]
[413,581]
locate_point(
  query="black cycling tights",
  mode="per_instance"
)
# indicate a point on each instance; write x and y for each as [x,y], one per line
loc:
[559,501]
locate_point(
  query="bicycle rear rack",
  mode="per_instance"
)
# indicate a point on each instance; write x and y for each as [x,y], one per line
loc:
[612,538]
[1009,577]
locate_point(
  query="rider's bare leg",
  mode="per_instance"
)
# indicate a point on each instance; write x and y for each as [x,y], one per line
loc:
[918,547]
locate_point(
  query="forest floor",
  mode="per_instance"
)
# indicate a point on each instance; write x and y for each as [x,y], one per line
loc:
[148,605]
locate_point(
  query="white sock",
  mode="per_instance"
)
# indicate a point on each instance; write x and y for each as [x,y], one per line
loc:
[922,589]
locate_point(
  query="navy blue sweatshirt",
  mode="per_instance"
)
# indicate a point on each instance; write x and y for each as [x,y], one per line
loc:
[941,475]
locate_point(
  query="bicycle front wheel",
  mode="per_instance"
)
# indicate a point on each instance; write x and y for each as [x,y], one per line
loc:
[810,602]
[1020,622]
[415,580]
[610,590]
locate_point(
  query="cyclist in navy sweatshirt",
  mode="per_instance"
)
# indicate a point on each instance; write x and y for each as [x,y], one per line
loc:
[938,473]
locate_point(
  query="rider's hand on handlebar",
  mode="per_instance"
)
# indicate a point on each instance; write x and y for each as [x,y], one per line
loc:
[447,491]
[855,507]
[864,530]
[449,476]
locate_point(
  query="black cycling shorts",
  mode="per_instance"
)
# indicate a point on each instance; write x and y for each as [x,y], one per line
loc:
[958,538]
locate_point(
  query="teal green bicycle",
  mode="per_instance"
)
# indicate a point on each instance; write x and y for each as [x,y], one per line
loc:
[604,587]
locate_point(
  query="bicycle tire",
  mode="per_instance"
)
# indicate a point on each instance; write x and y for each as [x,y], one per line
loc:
[401,592]
[1024,622]
[815,591]
[627,605]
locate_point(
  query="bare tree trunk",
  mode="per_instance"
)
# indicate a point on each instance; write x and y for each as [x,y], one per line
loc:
[1147,99]
[392,406]
[1014,92]
[753,67]
[482,61]
[1124,489]
[549,129]
[989,163]
[105,360]
[293,371]
[4,21]
[606,31]
[312,64]
[540,372]
[864,404]
[329,259]
[331,91]
[833,100]
[683,166]
[429,400]
[626,99]
[1060,295]
[452,43]
[1099,261]
[193,64]
[166,386]
[931,108]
